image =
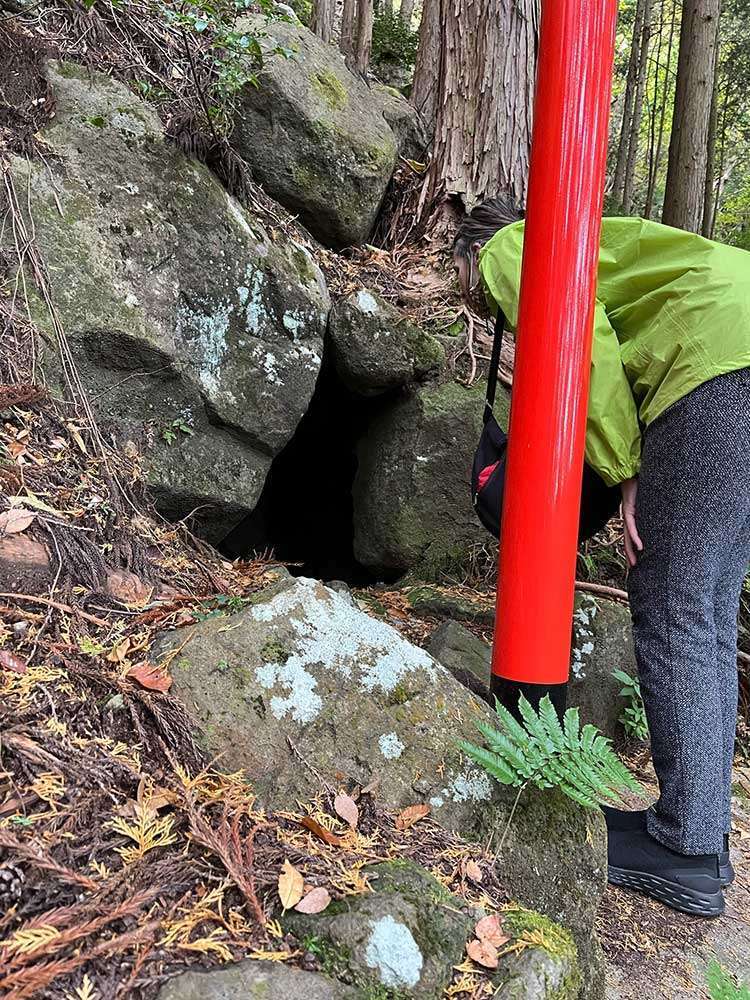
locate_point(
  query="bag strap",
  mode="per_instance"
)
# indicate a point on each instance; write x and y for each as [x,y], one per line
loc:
[497,344]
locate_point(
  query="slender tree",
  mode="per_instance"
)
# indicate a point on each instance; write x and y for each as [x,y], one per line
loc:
[662,88]
[355,42]
[688,147]
[709,204]
[406,12]
[637,116]
[322,18]
[631,86]
[477,73]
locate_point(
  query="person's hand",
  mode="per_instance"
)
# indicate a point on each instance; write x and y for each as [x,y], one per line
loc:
[633,543]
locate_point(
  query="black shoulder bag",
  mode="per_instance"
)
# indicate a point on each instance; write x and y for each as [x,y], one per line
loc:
[599,502]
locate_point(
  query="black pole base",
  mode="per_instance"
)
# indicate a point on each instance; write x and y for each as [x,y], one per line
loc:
[508,693]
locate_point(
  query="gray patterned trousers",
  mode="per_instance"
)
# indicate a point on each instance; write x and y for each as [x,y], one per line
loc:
[693,515]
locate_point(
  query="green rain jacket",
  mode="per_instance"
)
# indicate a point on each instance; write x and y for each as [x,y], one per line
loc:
[672,312]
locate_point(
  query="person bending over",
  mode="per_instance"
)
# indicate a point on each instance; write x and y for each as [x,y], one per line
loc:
[669,421]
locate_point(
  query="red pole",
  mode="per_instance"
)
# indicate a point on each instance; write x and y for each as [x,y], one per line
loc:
[536,579]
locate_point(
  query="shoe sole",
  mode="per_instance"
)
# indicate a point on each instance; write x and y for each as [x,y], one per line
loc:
[678,897]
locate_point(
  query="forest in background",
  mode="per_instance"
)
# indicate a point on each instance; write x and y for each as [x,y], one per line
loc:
[680,132]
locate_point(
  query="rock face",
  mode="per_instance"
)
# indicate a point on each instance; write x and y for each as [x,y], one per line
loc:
[405,121]
[316,138]
[376,348]
[410,932]
[412,493]
[304,664]
[251,980]
[602,642]
[194,332]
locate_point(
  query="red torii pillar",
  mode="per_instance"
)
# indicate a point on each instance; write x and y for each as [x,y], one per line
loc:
[531,652]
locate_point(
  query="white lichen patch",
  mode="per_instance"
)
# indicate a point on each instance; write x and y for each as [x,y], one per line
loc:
[583,645]
[471,785]
[205,335]
[239,217]
[255,310]
[302,701]
[367,303]
[437,801]
[393,952]
[332,634]
[391,746]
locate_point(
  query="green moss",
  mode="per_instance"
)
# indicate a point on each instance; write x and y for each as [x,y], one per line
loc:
[335,962]
[329,87]
[399,695]
[538,931]
[275,652]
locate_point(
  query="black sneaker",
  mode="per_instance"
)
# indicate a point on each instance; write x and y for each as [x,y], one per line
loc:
[621,819]
[684,882]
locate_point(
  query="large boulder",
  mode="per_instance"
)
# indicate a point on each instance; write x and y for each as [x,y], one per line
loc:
[407,124]
[255,980]
[316,138]
[197,335]
[602,643]
[304,674]
[376,348]
[412,492]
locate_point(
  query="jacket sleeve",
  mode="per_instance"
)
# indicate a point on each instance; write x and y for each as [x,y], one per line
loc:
[613,434]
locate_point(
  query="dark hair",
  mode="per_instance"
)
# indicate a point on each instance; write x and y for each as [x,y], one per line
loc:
[476,229]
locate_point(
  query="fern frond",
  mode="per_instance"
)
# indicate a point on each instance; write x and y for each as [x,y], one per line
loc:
[547,753]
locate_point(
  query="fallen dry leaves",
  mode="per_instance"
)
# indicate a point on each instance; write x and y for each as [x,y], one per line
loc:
[291,885]
[411,815]
[15,520]
[11,662]
[483,949]
[150,676]
[320,831]
[315,901]
[346,808]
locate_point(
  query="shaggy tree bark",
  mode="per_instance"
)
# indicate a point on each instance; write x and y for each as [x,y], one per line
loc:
[688,147]
[482,77]
[636,61]
[424,91]
[348,30]
[322,18]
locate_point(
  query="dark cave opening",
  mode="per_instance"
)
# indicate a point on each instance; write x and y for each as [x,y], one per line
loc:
[305,513]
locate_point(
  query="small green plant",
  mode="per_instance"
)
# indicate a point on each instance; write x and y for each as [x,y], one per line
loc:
[549,754]
[633,716]
[176,427]
[393,41]
[722,986]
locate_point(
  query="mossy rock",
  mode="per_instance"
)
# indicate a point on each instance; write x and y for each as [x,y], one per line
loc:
[376,348]
[315,137]
[353,697]
[412,492]
[254,980]
[199,337]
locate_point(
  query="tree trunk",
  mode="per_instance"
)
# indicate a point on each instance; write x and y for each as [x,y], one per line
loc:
[618,182]
[347,41]
[635,125]
[707,225]
[485,86]
[424,91]
[655,159]
[363,42]
[406,12]
[322,18]
[688,147]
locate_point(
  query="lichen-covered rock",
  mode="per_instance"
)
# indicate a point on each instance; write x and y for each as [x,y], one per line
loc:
[254,980]
[602,643]
[405,936]
[409,933]
[303,667]
[376,348]
[412,493]
[195,333]
[316,138]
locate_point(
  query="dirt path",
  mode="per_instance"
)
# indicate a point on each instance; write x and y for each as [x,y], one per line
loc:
[655,953]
